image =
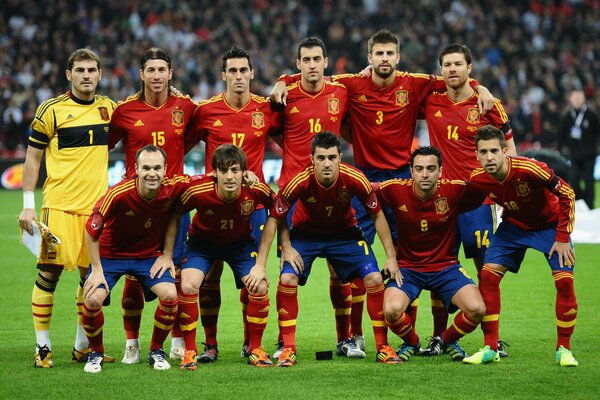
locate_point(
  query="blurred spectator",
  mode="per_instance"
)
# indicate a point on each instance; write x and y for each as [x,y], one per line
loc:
[531,52]
[579,137]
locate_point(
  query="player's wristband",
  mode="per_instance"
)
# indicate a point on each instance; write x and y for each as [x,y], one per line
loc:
[28,200]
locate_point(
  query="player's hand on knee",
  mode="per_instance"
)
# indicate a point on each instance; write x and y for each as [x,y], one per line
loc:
[566,255]
[94,280]
[255,277]
[292,256]
[161,265]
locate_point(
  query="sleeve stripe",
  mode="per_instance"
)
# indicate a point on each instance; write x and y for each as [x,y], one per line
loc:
[501,111]
[112,193]
[263,188]
[201,188]
[48,103]
[358,176]
[297,180]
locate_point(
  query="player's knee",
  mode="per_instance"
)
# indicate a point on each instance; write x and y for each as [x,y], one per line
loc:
[289,279]
[373,279]
[94,301]
[475,310]
[189,288]
[168,293]
[392,310]
[262,289]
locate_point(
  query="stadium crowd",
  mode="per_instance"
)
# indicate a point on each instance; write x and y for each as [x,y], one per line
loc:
[530,54]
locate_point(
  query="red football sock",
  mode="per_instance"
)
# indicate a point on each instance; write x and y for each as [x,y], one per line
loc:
[287,310]
[244,302]
[257,316]
[210,303]
[188,319]
[404,329]
[489,285]
[132,304]
[566,307]
[358,298]
[341,299]
[440,315]
[93,324]
[412,311]
[176,332]
[375,310]
[459,328]
[163,322]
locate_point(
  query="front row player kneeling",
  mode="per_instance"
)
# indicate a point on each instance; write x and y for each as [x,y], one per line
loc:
[426,209]
[124,235]
[324,225]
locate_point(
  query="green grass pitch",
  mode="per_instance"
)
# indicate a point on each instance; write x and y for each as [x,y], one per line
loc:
[527,324]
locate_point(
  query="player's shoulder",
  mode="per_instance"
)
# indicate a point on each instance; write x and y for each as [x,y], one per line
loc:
[128,102]
[293,87]
[262,188]
[214,99]
[199,184]
[396,183]
[52,102]
[177,180]
[122,188]
[525,163]
[477,173]
[259,99]
[453,182]
[300,179]
[334,85]
[349,77]
[353,173]
[412,75]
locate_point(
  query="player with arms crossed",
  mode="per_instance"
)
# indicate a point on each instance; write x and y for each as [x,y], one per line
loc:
[221,230]
[125,235]
[324,225]
[155,115]
[71,130]
[426,209]
[538,213]
[452,120]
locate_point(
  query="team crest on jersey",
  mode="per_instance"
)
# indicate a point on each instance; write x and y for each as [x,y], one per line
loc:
[473,115]
[333,106]
[441,205]
[177,117]
[402,98]
[258,120]
[344,196]
[247,207]
[104,113]
[522,189]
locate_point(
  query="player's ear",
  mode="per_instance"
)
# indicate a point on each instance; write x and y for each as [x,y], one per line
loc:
[326,62]
[298,63]
[312,160]
[68,74]
[223,76]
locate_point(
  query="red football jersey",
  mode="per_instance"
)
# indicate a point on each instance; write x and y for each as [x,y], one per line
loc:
[452,127]
[218,123]
[532,196]
[139,124]
[132,227]
[324,210]
[307,114]
[218,221]
[427,228]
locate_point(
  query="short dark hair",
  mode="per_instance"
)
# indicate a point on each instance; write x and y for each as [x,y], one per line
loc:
[150,148]
[325,140]
[426,151]
[227,155]
[456,48]
[236,52]
[309,43]
[383,36]
[489,132]
[80,55]
[155,53]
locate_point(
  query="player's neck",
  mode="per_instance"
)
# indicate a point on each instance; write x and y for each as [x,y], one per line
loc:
[383,82]
[461,93]
[502,172]
[228,196]
[145,193]
[312,87]
[156,99]
[82,96]
[237,100]
[423,195]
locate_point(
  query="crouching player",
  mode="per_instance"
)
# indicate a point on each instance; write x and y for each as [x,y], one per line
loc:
[221,230]
[324,225]
[125,235]
[426,211]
